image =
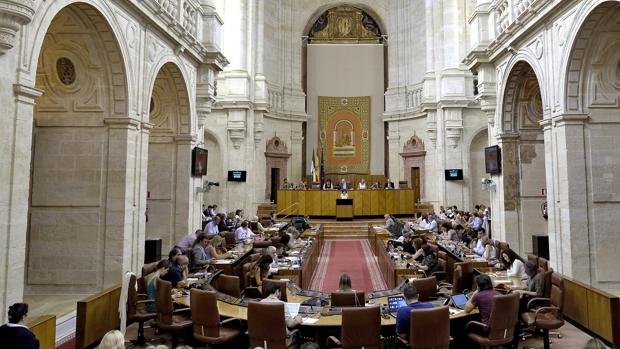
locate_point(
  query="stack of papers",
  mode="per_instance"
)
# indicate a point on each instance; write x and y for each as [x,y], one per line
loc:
[309,321]
[224,261]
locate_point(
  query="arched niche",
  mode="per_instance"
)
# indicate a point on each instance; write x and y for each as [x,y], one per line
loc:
[276,157]
[414,158]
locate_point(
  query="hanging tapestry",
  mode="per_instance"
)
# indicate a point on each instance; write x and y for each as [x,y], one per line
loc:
[344,134]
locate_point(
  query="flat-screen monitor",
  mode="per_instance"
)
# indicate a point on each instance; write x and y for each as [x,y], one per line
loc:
[199,161]
[493,159]
[236,176]
[454,174]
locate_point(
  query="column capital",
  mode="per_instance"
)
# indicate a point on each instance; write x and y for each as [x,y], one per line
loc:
[26,94]
[546,124]
[13,14]
[570,119]
[122,123]
[507,137]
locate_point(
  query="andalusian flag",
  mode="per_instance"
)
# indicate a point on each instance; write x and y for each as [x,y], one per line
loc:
[317,161]
[313,168]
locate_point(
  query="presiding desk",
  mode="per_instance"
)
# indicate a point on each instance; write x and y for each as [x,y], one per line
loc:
[322,203]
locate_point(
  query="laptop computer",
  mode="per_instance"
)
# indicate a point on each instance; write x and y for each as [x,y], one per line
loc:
[458,300]
[394,303]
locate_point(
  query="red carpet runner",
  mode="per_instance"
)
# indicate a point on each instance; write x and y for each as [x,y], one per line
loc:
[353,257]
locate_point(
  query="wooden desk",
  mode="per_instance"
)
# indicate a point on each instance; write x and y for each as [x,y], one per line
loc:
[365,202]
[44,328]
[234,267]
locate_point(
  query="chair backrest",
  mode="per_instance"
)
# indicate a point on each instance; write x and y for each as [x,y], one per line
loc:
[532,258]
[557,291]
[504,315]
[146,270]
[229,284]
[430,320]
[543,263]
[442,255]
[548,284]
[254,227]
[163,301]
[348,299]
[280,283]
[132,296]
[246,270]
[229,237]
[361,327]
[254,257]
[427,288]
[442,264]
[434,248]
[462,277]
[205,314]
[266,325]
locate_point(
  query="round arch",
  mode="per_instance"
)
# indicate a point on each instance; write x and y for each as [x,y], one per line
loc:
[44,17]
[511,77]
[368,8]
[572,90]
[171,66]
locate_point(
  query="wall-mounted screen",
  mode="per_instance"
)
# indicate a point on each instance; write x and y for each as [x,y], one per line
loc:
[199,161]
[237,176]
[493,159]
[454,174]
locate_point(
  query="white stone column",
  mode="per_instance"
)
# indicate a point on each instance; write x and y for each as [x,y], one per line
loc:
[141,185]
[295,172]
[15,161]
[553,224]
[184,191]
[571,198]
[123,138]
[395,161]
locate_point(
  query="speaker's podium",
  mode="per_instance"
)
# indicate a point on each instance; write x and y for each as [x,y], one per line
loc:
[344,209]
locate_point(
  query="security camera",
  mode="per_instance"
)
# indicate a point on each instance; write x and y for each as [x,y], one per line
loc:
[217,184]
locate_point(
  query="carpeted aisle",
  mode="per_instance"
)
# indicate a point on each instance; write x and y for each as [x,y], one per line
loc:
[353,257]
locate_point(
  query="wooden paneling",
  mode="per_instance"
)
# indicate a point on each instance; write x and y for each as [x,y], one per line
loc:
[575,302]
[97,315]
[44,328]
[365,202]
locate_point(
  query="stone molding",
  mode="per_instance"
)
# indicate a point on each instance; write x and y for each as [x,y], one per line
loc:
[13,15]
[26,94]
[122,123]
[413,147]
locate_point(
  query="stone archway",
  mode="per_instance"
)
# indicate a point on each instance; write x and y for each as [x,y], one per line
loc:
[170,193]
[276,157]
[523,177]
[80,232]
[414,159]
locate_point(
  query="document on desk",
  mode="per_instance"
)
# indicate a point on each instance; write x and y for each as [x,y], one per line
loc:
[293,308]
[224,261]
[502,281]
[309,320]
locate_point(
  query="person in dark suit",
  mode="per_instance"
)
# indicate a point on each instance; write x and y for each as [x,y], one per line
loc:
[16,334]
[388,184]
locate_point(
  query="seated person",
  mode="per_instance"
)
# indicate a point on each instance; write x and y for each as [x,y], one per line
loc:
[344,185]
[482,299]
[113,339]
[174,253]
[408,244]
[260,270]
[477,221]
[429,262]
[432,224]
[177,272]
[328,185]
[375,186]
[15,333]
[344,285]
[272,295]
[513,264]
[243,233]
[187,241]
[403,315]
[222,227]
[287,185]
[489,250]
[204,251]
[288,237]
[213,227]
[479,248]
[162,269]
[535,284]
[362,184]
[219,243]
[256,225]
[273,252]
[389,221]
[388,184]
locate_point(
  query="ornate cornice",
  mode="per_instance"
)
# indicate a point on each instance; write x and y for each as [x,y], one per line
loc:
[13,14]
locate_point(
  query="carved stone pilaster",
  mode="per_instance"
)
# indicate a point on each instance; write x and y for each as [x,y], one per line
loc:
[13,14]
[454,126]
[431,127]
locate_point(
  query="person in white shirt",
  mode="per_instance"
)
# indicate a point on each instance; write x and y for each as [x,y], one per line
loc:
[432,225]
[344,194]
[213,211]
[479,249]
[243,233]
[212,227]
[423,221]
[273,252]
[362,184]
[514,264]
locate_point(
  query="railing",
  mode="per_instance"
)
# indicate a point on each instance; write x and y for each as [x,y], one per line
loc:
[414,97]
[294,204]
[180,15]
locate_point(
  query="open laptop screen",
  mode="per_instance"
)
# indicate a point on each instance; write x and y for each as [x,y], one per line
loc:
[459,300]
[396,302]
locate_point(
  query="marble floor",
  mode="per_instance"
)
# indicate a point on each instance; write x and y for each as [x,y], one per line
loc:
[59,305]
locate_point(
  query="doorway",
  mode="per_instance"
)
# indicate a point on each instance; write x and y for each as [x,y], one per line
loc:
[415,182]
[275,181]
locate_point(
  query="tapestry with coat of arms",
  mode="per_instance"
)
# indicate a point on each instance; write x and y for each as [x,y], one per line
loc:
[344,134]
